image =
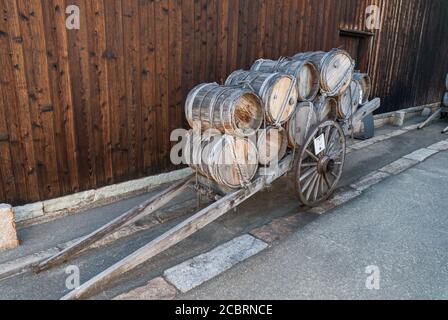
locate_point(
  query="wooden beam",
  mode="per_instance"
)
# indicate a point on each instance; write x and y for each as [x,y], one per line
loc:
[146,208]
[365,110]
[178,233]
[356,33]
[433,117]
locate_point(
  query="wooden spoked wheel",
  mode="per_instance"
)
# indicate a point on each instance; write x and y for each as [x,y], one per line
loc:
[317,175]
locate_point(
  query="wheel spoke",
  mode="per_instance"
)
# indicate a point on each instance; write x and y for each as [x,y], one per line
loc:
[317,186]
[309,165]
[327,135]
[312,155]
[310,190]
[307,174]
[322,186]
[327,181]
[309,181]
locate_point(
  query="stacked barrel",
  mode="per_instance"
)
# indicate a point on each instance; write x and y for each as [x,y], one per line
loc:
[258,114]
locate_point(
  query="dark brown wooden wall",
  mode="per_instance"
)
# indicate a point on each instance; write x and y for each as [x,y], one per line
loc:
[83,109]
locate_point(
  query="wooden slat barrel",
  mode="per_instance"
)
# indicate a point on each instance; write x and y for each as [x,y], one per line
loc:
[231,110]
[303,120]
[326,108]
[366,86]
[277,91]
[336,69]
[304,71]
[228,160]
[445,99]
[272,145]
[348,102]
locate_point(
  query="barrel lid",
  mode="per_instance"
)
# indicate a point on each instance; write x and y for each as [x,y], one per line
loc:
[337,71]
[282,98]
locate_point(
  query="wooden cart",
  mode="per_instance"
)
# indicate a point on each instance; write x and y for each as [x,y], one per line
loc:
[316,176]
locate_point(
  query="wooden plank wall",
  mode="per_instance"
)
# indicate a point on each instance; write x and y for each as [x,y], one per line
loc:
[88,108]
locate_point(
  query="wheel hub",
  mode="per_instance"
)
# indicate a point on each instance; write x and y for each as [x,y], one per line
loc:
[326,164]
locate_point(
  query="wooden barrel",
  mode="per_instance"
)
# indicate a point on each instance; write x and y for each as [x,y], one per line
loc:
[277,91]
[231,110]
[336,69]
[365,83]
[272,145]
[304,71]
[326,108]
[228,160]
[348,102]
[445,99]
[303,120]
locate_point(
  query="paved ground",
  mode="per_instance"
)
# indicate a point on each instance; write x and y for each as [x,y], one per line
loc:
[400,226]
[341,228]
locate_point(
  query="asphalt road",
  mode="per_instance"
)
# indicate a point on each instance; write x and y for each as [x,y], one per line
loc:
[399,227]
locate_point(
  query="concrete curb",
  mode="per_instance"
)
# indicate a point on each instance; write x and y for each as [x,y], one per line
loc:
[44,211]
[397,118]
[194,272]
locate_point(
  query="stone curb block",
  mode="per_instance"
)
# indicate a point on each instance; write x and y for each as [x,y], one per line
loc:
[29,211]
[399,166]
[440,146]
[344,196]
[369,180]
[156,289]
[421,155]
[194,272]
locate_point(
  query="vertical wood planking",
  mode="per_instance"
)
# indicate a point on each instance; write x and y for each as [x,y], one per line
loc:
[162,86]
[99,97]
[86,108]
[261,33]
[26,133]
[148,94]
[14,181]
[117,90]
[82,98]
[40,104]
[223,35]
[131,29]
[232,48]
[211,38]
[175,67]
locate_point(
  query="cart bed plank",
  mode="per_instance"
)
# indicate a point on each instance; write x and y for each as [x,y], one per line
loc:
[146,208]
